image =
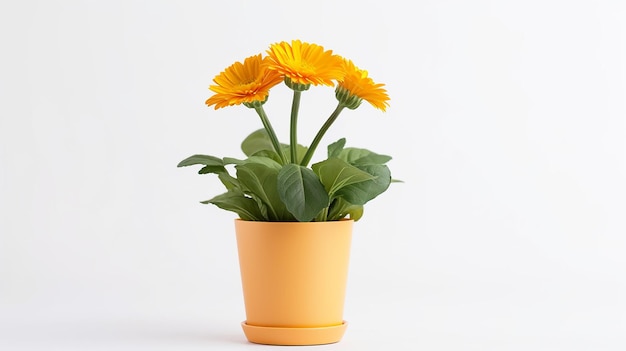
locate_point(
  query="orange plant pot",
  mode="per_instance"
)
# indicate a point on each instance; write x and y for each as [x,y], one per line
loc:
[294,277]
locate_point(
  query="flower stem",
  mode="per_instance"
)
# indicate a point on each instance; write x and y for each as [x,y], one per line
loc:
[270,132]
[293,137]
[320,135]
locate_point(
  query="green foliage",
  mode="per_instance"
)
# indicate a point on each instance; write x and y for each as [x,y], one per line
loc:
[264,189]
[235,200]
[301,191]
[257,141]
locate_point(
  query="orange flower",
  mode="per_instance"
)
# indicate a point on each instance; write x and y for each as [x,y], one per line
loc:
[246,82]
[305,64]
[356,84]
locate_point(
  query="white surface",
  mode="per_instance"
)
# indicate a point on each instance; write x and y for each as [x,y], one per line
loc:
[507,123]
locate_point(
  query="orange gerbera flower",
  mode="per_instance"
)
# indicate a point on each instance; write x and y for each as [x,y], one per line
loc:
[356,84]
[245,82]
[305,64]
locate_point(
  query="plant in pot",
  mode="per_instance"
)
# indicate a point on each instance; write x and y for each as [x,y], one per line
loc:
[294,222]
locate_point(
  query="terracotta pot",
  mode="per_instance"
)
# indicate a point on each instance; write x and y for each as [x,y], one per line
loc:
[294,277]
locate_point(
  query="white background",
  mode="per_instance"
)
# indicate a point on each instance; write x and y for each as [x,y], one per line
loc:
[507,124]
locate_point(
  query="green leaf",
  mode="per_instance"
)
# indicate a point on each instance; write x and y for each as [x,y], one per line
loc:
[355,212]
[229,181]
[257,141]
[269,154]
[254,159]
[341,208]
[335,148]
[233,161]
[212,165]
[336,174]
[360,193]
[201,160]
[266,161]
[355,156]
[237,202]
[301,191]
[212,169]
[300,152]
[259,181]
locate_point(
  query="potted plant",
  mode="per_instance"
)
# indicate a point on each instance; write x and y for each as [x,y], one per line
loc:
[295,220]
